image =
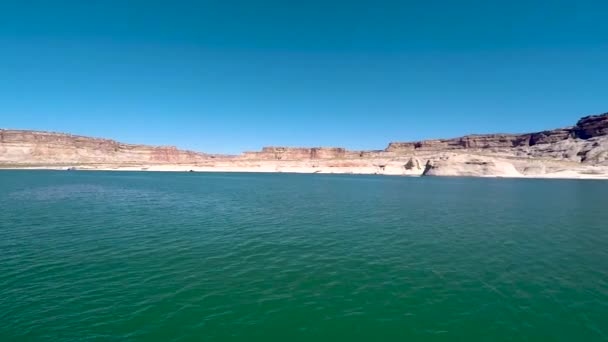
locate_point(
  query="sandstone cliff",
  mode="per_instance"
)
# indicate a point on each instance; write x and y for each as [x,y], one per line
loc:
[580,151]
[46,148]
[586,128]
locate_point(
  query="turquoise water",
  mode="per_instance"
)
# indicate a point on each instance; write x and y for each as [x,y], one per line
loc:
[118,256]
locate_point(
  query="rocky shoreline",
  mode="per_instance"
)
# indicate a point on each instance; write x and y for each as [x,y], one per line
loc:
[580,151]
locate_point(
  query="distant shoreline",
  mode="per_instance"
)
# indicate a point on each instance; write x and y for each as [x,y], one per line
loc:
[575,152]
[301,170]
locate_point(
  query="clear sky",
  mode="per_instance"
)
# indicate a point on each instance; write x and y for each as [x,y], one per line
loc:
[226,76]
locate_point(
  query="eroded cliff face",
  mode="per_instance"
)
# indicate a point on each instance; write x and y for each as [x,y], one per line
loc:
[577,151]
[591,126]
[296,153]
[572,143]
[32,147]
[485,141]
[586,128]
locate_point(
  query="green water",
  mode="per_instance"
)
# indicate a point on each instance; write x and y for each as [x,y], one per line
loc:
[113,256]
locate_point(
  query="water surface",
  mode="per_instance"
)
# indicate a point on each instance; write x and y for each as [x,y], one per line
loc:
[283,257]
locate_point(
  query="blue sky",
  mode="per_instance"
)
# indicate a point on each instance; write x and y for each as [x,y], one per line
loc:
[228,76]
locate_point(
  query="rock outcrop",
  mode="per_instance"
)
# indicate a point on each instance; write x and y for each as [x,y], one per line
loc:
[471,166]
[591,126]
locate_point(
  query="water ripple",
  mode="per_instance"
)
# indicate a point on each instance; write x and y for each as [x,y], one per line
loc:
[171,257]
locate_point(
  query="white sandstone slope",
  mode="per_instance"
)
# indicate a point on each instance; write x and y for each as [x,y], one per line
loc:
[469,165]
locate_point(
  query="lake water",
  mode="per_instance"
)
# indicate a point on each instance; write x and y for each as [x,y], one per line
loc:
[284,257]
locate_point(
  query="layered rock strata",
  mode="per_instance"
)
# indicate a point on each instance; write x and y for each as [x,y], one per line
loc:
[580,151]
[586,128]
[32,147]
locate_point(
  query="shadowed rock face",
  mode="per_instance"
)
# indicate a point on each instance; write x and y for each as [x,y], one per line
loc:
[592,126]
[549,137]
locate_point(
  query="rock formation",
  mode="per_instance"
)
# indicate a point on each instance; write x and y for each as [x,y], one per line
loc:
[580,151]
[586,128]
[296,153]
[46,148]
[591,126]
[464,165]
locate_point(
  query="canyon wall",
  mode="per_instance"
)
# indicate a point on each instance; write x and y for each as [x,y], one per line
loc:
[586,128]
[32,147]
[531,144]
[311,153]
[296,153]
[580,151]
